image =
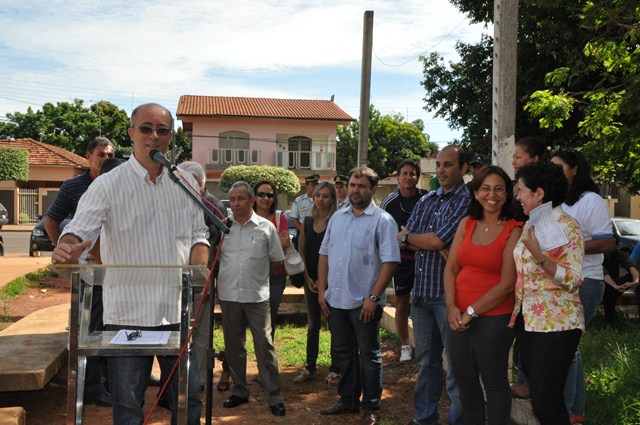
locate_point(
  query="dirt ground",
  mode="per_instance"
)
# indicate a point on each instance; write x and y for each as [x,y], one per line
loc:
[303,401]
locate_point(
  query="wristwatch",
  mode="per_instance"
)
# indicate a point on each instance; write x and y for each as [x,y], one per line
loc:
[405,238]
[471,312]
[374,298]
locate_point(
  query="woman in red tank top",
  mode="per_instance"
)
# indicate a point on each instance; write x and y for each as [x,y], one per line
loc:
[479,282]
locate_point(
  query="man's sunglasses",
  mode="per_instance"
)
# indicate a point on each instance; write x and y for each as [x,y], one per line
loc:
[146,130]
[264,195]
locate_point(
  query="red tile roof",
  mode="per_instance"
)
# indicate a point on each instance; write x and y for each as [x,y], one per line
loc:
[254,107]
[41,153]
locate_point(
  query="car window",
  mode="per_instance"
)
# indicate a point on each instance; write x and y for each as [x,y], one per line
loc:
[628,227]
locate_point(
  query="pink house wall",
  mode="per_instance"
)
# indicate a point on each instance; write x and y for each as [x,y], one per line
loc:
[263,134]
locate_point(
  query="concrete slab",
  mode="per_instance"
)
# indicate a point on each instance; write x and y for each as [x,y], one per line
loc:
[34,349]
[12,416]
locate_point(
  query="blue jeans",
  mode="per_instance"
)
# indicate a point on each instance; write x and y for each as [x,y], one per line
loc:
[356,347]
[128,378]
[575,392]
[314,317]
[276,289]
[429,321]
[482,353]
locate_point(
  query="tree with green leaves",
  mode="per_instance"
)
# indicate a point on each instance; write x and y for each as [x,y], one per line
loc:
[577,78]
[607,110]
[14,164]
[285,181]
[391,139]
[70,125]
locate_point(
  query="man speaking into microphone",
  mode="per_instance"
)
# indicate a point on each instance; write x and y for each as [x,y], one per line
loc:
[143,218]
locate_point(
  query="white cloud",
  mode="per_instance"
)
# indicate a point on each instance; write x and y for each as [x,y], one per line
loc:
[129,51]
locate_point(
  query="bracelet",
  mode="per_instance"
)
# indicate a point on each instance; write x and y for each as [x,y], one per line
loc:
[544,260]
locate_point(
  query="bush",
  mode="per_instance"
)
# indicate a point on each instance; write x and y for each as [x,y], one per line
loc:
[14,163]
[285,181]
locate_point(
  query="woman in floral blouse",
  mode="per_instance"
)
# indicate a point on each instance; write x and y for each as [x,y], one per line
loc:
[548,315]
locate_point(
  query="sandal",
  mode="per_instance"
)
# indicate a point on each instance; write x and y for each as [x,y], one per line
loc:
[303,376]
[333,378]
[223,383]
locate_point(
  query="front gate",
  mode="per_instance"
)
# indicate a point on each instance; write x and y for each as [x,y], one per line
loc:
[27,206]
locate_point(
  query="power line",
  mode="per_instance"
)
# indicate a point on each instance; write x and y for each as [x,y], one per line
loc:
[420,54]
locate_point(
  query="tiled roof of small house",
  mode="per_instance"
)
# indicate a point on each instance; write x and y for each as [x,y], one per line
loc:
[41,153]
[254,107]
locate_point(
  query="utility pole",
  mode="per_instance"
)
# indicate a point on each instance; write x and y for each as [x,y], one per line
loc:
[365,88]
[505,61]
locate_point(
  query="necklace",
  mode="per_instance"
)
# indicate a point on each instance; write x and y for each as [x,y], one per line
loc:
[486,229]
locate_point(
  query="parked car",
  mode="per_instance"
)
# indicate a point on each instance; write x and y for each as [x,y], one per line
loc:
[628,230]
[39,240]
[4,216]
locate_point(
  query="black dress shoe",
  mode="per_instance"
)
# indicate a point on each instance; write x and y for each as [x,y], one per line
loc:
[339,409]
[234,401]
[102,400]
[278,409]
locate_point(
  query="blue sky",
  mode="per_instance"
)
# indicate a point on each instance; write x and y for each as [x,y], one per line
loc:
[135,52]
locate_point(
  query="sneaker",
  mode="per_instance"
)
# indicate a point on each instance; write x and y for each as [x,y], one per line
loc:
[333,378]
[303,376]
[405,353]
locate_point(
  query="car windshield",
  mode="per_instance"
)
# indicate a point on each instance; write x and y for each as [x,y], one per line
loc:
[628,227]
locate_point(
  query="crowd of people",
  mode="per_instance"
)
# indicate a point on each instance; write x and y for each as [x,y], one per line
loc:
[481,267]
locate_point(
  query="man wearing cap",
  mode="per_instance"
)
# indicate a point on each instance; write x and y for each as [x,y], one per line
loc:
[302,205]
[340,182]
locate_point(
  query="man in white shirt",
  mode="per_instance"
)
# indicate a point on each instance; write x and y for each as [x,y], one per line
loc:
[250,252]
[142,218]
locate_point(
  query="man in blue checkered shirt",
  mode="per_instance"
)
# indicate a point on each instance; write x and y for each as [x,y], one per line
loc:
[429,232]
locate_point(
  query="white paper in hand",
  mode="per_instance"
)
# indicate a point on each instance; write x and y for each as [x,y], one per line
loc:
[546,227]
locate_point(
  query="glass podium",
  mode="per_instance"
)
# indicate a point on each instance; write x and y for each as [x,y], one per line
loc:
[136,297]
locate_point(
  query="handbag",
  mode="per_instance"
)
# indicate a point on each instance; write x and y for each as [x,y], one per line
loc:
[293,263]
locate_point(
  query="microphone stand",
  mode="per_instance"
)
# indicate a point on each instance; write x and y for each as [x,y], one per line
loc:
[219,225]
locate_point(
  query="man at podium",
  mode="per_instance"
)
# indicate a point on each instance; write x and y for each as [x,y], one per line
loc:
[142,218]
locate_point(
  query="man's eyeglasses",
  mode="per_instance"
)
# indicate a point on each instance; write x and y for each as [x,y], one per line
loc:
[146,130]
[133,335]
[264,195]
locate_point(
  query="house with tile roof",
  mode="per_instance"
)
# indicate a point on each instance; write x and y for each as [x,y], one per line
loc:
[49,167]
[296,134]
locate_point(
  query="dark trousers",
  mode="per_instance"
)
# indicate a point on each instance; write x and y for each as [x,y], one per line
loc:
[314,317]
[356,347]
[610,298]
[546,358]
[96,371]
[482,353]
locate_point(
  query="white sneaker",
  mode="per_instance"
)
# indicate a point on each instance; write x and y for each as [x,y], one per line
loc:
[405,353]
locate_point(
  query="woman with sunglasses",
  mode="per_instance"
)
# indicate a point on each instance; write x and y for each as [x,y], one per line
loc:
[312,232]
[265,206]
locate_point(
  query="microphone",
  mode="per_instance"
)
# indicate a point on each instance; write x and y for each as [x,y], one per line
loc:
[156,156]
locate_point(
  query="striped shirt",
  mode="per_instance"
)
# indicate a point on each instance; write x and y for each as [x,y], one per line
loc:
[66,201]
[140,223]
[439,213]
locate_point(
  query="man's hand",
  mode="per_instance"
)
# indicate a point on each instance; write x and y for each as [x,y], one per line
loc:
[403,231]
[368,310]
[68,252]
[324,306]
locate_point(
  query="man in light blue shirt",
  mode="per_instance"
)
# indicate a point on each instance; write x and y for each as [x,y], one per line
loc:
[357,258]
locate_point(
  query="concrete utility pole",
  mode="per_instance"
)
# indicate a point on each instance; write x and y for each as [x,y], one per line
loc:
[365,87]
[505,61]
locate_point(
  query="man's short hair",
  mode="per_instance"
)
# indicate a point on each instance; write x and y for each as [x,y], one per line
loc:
[194,168]
[98,141]
[411,162]
[463,155]
[132,120]
[359,172]
[242,184]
